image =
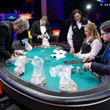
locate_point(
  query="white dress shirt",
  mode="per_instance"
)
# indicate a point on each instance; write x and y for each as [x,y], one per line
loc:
[42,29]
[96,46]
[70,32]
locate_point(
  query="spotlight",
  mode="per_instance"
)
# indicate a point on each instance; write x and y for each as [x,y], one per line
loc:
[88,6]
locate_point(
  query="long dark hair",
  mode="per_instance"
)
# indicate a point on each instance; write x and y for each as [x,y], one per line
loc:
[73,22]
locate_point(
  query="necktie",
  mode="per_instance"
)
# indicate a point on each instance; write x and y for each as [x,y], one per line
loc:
[106,55]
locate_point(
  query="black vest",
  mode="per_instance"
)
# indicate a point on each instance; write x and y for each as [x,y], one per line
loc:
[78,37]
[86,47]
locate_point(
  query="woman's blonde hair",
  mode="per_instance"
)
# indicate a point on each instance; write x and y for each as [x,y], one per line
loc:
[93,28]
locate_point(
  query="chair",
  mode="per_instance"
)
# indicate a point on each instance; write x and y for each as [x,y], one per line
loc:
[102,50]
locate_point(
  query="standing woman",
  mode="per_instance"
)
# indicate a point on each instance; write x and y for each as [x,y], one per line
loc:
[76,34]
[92,43]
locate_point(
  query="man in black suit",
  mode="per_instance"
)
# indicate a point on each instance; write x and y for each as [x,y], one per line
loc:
[7,30]
[101,64]
[39,28]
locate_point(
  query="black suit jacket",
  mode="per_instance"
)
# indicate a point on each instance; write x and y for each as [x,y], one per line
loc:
[35,31]
[98,65]
[6,39]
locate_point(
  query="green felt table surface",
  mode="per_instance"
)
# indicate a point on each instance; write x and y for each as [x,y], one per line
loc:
[84,80]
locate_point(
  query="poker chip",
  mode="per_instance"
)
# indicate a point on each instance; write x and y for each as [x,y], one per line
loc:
[47,58]
[42,50]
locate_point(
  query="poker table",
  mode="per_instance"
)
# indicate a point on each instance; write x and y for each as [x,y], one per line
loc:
[93,88]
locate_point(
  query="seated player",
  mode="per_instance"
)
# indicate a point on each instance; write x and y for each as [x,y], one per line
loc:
[92,43]
[39,28]
[101,64]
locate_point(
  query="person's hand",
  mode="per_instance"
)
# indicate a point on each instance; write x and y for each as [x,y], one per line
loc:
[72,50]
[13,55]
[41,36]
[75,55]
[86,66]
[7,61]
[48,37]
[88,59]
[17,53]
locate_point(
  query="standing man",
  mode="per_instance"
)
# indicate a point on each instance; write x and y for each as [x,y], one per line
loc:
[7,30]
[39,28]
[101,64]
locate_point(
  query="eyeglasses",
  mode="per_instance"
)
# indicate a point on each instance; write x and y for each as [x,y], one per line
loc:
[103,33]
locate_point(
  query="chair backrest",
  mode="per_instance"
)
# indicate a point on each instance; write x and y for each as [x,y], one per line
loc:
[102,50]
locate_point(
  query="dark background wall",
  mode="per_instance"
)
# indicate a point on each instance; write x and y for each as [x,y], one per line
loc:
[56,9]
[52,10]
[69,5]
[37,8]
[10,5]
